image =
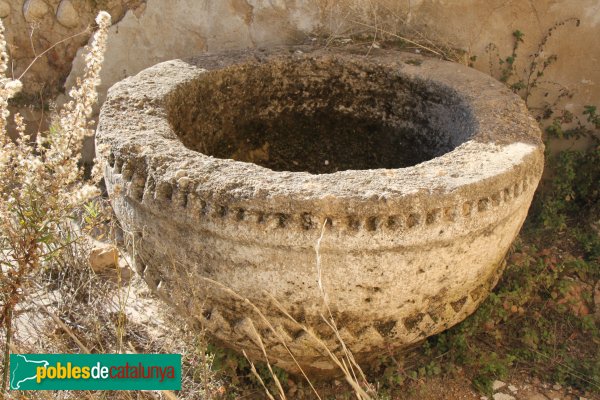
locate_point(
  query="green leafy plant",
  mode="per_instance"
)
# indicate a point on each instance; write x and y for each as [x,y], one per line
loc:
[524,82]
[539,317]
[573,192]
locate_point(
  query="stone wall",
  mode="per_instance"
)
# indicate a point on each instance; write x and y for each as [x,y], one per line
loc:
[150,31]
[33,26]
[161,31]
[53,31]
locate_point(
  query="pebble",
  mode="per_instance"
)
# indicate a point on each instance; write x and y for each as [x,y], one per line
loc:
[34,9]
[66,15]
[513,388]
[497,385]
[557,387]
[103,257]
[503,396]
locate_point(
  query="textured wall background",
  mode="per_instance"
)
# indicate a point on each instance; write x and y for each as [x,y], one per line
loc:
[147,32]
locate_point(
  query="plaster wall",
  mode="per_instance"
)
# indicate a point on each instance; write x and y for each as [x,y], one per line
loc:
[147,32]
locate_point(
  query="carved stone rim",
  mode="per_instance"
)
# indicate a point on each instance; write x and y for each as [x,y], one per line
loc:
[507,140]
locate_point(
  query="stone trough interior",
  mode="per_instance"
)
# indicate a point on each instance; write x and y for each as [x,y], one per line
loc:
[318,115]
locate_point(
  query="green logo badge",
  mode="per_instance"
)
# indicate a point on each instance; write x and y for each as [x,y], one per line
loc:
[95,372]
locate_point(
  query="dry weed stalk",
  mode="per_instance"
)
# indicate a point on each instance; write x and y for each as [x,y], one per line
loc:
[381,20]
[41,181]
[346,363]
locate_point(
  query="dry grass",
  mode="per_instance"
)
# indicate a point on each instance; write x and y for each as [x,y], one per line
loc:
[344,361]
[381,21]
[68,308]
[72,309]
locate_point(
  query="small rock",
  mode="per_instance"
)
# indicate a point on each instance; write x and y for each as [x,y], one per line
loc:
[513,388]
[4,9]
[66,15]
[497,385]
[556,387]
[103,256]
[503,396]
[483,398]
[583,398]
[34,9]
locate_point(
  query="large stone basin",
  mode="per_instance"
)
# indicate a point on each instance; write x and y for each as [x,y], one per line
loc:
[227,168]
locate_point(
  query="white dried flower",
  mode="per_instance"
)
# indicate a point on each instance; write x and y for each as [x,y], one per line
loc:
[41,180]
[103,20]
[13,87]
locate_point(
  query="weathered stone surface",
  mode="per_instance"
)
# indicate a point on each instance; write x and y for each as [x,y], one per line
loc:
[34,9]
[420,173]
[67,15]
